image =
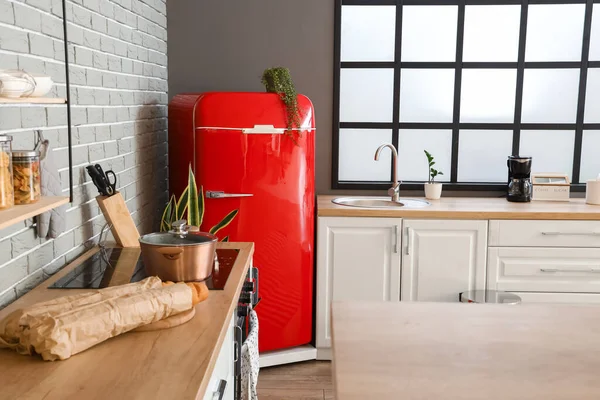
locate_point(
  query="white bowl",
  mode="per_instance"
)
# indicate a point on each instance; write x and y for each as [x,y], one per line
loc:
[14,87]
[43,85]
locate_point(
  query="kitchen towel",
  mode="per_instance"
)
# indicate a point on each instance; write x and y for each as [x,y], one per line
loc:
[250,361]
[51,223]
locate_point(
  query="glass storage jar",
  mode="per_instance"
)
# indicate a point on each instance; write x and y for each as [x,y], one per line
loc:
[6,175]
[26,176]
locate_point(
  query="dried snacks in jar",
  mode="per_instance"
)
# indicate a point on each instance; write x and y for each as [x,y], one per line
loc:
[26,177]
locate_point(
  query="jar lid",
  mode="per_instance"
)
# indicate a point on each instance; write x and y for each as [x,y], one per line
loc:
[25,153]
[4,138]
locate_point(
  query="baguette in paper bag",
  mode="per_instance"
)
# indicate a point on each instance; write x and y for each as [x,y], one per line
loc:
[59,330]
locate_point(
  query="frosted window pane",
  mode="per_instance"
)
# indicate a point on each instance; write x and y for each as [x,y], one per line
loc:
[592,99]
[552,151]
[488,95]
[426,95]
[554,32]
[366,95]
[357,149]
[429,33]
[492,33]
[590,156]
[482,155]
[412,163]
[595,38]
[368,33]
[550,95]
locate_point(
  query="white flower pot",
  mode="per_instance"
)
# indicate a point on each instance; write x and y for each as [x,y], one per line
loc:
[433,191]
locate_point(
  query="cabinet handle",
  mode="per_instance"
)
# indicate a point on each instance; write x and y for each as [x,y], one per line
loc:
[395,238]
[569,270]
[408,241]
[220,392]
[571,233]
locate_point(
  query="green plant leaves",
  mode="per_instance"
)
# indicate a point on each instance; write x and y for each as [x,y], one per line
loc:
[193,214]
[279,80]
[182,204]
[191,206]
[432,171]
[224,222]
[168,215]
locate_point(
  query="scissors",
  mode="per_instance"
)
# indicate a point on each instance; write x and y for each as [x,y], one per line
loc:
[106,183]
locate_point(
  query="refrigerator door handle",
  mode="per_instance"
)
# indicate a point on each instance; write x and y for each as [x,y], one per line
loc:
[210,194]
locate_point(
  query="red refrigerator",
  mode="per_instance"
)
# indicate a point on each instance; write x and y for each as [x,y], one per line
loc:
[245,160]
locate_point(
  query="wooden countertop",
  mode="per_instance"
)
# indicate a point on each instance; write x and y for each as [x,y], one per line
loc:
[174,363]
[411,350]
[469,208]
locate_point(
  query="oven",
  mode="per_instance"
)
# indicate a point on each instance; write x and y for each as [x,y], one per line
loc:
[249,299]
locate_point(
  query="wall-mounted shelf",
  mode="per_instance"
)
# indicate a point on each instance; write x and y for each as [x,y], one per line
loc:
[20,213]
[32,100]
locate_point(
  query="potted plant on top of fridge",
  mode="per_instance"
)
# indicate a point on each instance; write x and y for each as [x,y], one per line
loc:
[433,190]
[279,80]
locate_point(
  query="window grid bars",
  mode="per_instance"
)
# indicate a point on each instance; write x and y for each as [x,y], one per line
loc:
[458,65]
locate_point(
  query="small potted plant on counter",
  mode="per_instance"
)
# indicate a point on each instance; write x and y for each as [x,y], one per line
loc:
[433,190]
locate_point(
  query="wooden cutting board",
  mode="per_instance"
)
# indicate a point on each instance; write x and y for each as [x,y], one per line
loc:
[170,322]
[178,319]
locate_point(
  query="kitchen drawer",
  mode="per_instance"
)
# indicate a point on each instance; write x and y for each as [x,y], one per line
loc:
[544,233]
[559,298]
[222,379]
[517,269]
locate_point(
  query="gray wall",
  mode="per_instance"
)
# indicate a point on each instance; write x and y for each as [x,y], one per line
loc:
[224,45]
[119,95]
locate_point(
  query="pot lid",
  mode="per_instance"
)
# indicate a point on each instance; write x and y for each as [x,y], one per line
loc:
[173,239]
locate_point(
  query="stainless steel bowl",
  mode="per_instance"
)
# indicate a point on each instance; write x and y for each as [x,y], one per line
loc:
[179,257]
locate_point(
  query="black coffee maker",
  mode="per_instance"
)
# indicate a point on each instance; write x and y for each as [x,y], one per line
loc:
[519,179]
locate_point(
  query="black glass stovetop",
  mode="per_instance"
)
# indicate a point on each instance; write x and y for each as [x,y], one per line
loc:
[118,266]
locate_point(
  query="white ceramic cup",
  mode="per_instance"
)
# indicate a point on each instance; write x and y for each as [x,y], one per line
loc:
[592,192]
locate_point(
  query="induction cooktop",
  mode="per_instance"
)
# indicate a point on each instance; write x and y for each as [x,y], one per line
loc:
[118,266]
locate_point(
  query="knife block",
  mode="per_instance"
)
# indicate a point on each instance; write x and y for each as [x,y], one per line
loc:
[116,213]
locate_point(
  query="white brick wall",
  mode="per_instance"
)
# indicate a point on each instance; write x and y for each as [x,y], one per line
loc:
[118,72]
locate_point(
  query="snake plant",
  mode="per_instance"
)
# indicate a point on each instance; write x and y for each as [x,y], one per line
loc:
[191,207]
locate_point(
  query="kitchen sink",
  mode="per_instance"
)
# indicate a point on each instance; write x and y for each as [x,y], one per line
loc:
[380,202]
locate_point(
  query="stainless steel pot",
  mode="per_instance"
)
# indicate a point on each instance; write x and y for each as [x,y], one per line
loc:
[179,255]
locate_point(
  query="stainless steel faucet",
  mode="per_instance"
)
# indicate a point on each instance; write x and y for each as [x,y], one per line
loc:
[394,191]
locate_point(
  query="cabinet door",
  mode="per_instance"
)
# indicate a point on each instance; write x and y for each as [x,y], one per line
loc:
[357,259]
[222,379]
[442,258]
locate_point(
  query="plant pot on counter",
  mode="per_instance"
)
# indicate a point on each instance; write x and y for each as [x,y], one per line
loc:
[433,191]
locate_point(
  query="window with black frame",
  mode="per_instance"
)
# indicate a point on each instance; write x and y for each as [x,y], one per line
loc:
[470,81]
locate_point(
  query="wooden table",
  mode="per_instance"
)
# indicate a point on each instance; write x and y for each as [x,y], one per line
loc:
[430,351]
[174,363]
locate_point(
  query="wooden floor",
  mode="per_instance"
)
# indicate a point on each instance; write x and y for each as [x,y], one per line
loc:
[309,380]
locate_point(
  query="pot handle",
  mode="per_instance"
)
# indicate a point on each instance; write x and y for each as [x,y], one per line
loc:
[170,253]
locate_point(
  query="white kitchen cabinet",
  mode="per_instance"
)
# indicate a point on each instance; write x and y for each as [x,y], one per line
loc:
[221,384]
[442,258]
[357,259]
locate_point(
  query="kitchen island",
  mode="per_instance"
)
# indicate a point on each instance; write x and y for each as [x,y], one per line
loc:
[451,351]
[174,363]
